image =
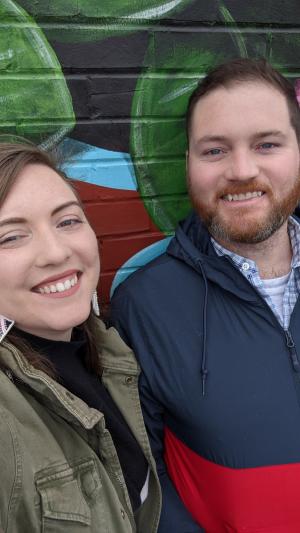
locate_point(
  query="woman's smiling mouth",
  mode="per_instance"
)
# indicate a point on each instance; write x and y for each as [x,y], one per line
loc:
[63,285]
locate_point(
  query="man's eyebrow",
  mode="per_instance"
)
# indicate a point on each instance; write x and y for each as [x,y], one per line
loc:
[20,220]
[268,133]
[211,138]
[257,135]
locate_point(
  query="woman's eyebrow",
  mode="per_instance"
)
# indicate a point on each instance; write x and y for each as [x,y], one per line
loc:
[63,206]
[21,220]
[13,220]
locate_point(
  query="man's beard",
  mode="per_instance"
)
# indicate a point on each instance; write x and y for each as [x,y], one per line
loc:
[243,228]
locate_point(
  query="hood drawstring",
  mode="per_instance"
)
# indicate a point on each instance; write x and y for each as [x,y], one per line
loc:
[204,370]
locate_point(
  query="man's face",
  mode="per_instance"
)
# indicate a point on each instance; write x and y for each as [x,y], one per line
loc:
[243,162]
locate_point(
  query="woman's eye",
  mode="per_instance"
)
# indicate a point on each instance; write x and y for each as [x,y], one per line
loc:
[69,222]
[10,240]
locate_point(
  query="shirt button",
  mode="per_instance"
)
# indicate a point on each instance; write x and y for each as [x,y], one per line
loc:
[122,514]
[245,266]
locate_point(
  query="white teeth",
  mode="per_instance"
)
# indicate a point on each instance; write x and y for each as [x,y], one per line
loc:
[67,284]
[60,286]
[246,196]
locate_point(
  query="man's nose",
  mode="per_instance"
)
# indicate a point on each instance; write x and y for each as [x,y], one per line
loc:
[51,249]
[242,166]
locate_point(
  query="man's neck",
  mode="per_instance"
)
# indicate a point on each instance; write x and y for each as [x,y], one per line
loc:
[273,256]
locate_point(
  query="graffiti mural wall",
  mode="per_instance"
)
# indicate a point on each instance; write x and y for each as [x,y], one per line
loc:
[107,83]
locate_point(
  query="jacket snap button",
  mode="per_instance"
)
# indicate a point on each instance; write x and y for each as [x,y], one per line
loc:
[129,380]
[122,514]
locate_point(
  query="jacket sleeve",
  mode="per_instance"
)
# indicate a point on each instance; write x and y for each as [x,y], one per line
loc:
[174,516]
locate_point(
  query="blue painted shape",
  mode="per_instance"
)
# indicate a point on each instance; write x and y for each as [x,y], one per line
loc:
[95,165]
[136,261]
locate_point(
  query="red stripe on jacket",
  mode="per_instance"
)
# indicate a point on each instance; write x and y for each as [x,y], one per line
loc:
[228,500]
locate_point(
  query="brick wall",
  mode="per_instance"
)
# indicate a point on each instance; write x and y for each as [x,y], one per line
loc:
[112,78]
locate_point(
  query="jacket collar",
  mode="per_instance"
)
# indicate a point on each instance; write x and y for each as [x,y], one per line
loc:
[115,357]
[192,245]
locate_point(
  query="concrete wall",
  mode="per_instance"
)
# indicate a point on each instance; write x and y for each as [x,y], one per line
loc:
[107,82]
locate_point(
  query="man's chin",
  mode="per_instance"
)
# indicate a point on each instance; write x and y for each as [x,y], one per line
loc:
[244,231]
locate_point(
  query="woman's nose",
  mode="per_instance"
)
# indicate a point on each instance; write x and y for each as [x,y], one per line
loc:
[52,249]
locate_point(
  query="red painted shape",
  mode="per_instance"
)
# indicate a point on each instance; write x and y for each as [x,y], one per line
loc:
[91,193]
[116,251]
[227,500]
[118,218]
[122,225]
[106,279]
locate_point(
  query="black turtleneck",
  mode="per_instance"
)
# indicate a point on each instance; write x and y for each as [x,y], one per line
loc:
[68,359]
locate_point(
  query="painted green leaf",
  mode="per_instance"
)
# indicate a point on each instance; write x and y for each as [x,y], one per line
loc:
[35,100]
[158,140]
[97,19]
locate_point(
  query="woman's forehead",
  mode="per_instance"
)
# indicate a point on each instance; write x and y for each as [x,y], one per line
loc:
[37,186]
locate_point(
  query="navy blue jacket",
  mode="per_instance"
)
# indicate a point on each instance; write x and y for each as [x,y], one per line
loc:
[220,390]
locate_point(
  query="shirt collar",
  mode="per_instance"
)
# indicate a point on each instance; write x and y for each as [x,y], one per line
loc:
[294,233]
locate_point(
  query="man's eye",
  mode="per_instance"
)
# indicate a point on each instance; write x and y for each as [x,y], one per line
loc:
[214,151]
[267,146]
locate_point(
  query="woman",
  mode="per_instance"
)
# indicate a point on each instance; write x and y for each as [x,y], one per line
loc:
[74,455]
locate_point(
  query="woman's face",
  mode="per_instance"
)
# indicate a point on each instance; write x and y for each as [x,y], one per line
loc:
[49,261]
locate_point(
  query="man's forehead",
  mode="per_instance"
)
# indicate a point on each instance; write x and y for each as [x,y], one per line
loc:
[232,90]
[264,107]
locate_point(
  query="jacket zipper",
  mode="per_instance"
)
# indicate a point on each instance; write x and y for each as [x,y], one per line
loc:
[292,350]
[288,336]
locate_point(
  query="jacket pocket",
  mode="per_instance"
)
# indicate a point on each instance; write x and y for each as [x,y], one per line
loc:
[66,493]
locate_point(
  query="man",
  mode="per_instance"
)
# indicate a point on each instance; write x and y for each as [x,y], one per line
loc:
[214,321]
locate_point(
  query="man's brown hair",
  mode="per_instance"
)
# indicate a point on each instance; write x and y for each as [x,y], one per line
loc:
[242,71]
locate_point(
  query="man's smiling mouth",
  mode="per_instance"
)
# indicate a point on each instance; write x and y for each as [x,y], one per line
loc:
[241,197]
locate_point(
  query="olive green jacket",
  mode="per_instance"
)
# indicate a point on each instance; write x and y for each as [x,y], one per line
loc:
[59,471]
